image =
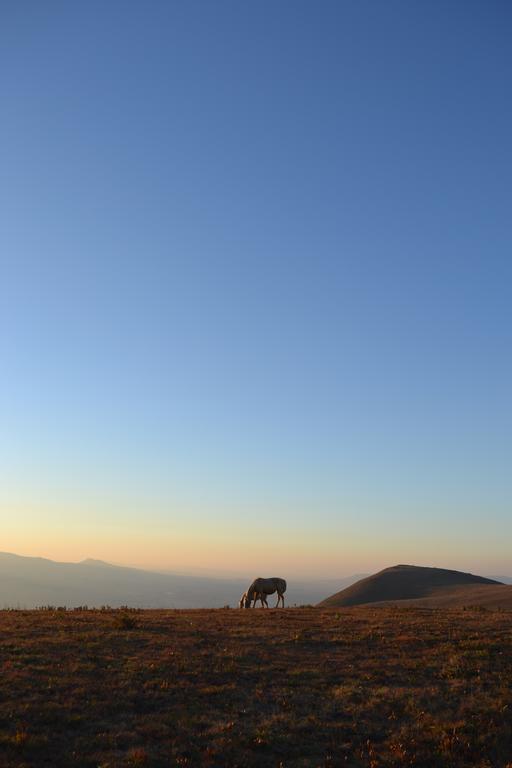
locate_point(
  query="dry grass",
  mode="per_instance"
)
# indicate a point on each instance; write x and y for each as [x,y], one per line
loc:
[299,687]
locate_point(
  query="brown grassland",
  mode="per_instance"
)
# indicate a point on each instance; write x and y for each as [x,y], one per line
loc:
[296,687]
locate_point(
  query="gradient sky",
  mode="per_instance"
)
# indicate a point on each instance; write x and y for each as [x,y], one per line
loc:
[256,283]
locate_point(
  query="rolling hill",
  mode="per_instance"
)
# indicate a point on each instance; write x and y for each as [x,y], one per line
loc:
[421,586]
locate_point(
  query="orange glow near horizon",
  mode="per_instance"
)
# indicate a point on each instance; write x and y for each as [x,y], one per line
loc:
[216,541]
[233,555]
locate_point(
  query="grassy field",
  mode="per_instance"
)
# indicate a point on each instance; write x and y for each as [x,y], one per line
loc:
[299,687]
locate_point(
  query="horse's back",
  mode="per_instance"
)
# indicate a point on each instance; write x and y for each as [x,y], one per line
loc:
[275,583]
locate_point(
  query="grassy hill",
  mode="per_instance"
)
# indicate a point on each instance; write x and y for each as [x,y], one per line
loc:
[297,688]
[412,582]
[490,596]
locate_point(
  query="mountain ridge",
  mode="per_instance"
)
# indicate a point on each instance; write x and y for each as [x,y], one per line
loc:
[30,582]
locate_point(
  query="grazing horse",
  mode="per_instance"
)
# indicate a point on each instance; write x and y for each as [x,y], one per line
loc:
[259,590]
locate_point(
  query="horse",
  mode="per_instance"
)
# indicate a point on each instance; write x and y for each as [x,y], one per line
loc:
[260,588]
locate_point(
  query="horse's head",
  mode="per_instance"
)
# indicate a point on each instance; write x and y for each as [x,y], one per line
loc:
[243,601]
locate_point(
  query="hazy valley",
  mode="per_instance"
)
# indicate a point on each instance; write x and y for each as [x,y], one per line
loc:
[30,582]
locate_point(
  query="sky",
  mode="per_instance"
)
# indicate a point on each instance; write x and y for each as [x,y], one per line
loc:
[256,283]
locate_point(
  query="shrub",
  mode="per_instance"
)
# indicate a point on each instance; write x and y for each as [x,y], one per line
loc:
[126,621]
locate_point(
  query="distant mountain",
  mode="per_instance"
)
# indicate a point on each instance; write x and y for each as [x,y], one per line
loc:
[92,561]
[29,582]
[415,583]
[502,579]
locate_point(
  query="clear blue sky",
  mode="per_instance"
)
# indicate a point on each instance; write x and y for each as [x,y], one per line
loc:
[255,283]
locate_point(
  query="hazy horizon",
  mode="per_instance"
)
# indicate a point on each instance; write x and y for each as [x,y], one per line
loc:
[220,573]
[255,285]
